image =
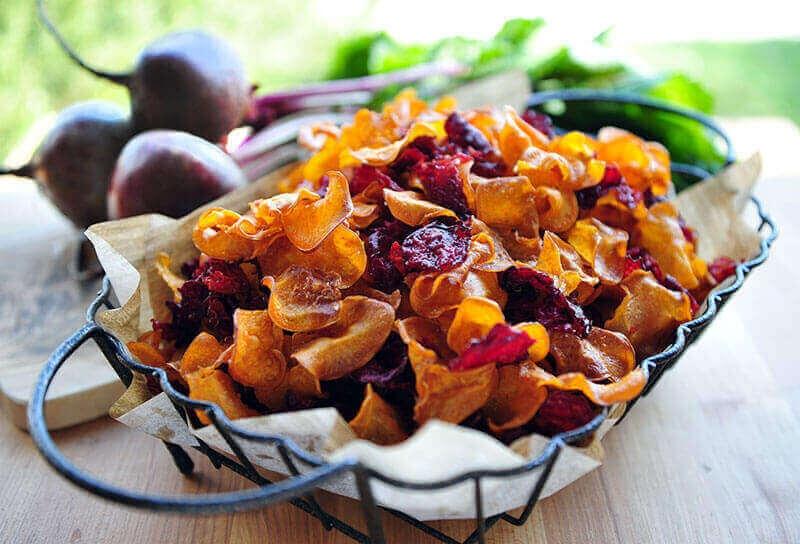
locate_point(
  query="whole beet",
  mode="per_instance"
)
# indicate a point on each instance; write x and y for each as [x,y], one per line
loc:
[73,164]
[169,172]
[190,81]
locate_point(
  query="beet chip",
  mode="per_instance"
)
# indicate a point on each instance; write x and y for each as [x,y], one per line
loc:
[563,411]
[503,345]
[437,247]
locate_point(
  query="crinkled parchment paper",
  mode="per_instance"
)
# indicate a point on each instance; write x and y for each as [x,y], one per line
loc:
[438,450]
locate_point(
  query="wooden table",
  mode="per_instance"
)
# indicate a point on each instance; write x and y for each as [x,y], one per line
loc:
[712,455]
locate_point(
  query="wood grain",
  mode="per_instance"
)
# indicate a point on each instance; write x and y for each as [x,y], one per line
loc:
[712,455]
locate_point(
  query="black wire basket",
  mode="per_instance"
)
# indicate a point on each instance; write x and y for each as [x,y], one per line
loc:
[299,487]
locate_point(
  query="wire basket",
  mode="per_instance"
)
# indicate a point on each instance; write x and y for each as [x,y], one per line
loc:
[298,488]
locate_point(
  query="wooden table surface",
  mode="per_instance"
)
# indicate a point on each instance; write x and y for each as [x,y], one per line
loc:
[711,455]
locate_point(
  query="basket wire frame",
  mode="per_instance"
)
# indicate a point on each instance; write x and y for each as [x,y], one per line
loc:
[299,487]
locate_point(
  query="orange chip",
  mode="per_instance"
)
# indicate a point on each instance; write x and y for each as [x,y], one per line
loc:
[645,165]
[451,396]
[147,354]
[381,156]
[412,209]
[602,356]
[298,381]
[474,318]
[446,105]
[515,401]
[541,340]
[202,352]
[349,343]
[574,144]
[626,389]
[215,386]
[614,213]
[507,203]
[342,253]
[496,258]
[361,288]
[544,168]
[304,299]
[257,359]
[517,136]
[560,260]
[601,246]
[558,210]
[311,219]
[424,332]
[659,232]
[649,313]
[218,234]
[377,421]
[313,137]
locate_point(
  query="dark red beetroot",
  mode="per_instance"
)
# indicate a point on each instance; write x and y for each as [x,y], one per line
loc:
[190,81]
[169,172]
[533,296]
[442,183]
[540,122]
[612,179]
[502,346]
[73,164]
[365,174]
[563,411]
[381,272]
[439,246]
[722,268]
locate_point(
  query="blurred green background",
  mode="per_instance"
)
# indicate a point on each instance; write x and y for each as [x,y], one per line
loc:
[286,42]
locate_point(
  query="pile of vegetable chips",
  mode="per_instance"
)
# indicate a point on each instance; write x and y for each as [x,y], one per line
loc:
[429,263]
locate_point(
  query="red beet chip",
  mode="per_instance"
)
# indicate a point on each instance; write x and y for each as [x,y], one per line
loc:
[533,296]
[638,258]
[381,271]
[437,247]
[612,179]
[465,135]
[365,174]
[503,346]
[541,122]
[722,268]
[223,277]
[563,411]
[442,183]
[389,369]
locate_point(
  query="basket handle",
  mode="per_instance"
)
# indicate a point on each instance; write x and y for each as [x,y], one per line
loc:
[189,504]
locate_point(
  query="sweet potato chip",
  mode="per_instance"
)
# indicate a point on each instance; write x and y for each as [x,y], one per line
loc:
[426,333]
[311,219]
[449,395]
[299,386]
[304,299]
[361,288]
[659,232]
[147,354]
[219,234]
[603,247]
[541,340]
[412,209]
[377,421]
[204,351]
[381,156]
[495,257]
[257,359]
[544,168]
[558,210]
[515,401]
[645,165]
[342,253]
[602,356]
[615,213]
[649,313]
[349,343]
[507,203]
[474,318]
[560,260]
[174,281]
[215,386]
[602,394]
[517,136]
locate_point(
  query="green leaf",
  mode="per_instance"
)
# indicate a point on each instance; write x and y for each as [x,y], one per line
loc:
[352,56]
[516,32]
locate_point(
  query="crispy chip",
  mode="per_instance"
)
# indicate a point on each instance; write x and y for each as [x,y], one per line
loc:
[645,165]
[412,209]
[426,333]
[298,382]
[204,351]
[311,219]
[361,288]
[601,246]
[649,313]
[541,340]
[515,401]
[560,260]
[342,253]
[602,356]
[611,211]
[257,359]
[474,318]
[377,421]
[174,281]
[381,156]
[218,234]
[448,395]
[304,299]
[507,203]
[147,354]
[624,390]
[496,258]
[544,168]
[558,210]
[349,343]
[517,136]
[215,386]
[661,235]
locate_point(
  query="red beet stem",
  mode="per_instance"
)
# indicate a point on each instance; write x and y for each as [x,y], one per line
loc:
[116,77]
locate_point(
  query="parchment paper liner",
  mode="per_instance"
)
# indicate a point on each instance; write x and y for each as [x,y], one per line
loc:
[438,450]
